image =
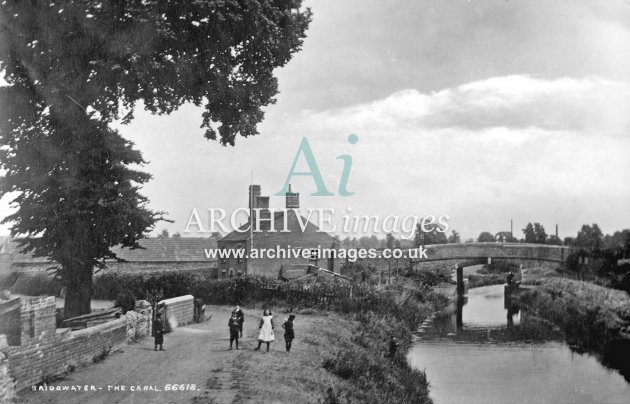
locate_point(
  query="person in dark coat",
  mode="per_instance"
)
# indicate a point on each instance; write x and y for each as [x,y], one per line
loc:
[234,326]
[241,319]
[289,334]
[510,279]
[393,347]
[158,331]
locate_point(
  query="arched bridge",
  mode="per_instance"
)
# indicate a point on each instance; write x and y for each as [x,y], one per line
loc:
[463,254]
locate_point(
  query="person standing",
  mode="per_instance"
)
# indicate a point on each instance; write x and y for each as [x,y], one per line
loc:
[510,279]
[289,334]
[393,347]
[266,329]
[241,319]
[233,325]
[158,331]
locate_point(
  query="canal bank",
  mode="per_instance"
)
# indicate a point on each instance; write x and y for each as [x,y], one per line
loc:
[486,356]
[593,318]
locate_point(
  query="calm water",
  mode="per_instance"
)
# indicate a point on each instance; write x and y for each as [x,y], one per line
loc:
[487,358]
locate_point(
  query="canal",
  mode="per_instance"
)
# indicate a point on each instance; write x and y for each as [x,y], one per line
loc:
[482,355]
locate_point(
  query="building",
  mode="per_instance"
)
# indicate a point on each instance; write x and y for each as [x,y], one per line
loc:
[294,240]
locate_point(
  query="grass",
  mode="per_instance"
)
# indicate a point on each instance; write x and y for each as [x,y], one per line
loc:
[591,316]
[341,355]
[335,359]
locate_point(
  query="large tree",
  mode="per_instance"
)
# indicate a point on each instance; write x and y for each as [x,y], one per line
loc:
[73,67]
[535,233]
[431,234]
[589,238]
[486,237]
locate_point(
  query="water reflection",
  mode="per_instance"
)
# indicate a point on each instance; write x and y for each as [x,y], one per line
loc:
[487,350]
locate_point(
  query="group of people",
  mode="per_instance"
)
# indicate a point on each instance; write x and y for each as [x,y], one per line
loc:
[266,325]
[235,324]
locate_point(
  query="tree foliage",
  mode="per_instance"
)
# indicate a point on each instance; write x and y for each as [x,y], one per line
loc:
[485,237]
[619,239]
[74,67]
[454,237]
[434,235]
[589,238]
[109,55]
[390,240]
[535,233]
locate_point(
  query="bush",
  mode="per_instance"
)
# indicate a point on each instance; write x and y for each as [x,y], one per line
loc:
[109,286]
[143,286]
[126,301]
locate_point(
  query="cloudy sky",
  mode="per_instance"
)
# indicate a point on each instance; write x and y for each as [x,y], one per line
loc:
[485,111]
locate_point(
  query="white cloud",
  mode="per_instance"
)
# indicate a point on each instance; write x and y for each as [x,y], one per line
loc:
[482,153]
[590,104]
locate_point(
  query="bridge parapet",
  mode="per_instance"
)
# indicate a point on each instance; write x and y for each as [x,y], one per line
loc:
[518,251]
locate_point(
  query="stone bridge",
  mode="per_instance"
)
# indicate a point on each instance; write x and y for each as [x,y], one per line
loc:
[465,254]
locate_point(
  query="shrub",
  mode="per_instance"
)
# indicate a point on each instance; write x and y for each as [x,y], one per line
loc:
[126,301]
[143,286]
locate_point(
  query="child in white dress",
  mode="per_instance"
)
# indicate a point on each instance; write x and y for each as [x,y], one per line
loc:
[266,329]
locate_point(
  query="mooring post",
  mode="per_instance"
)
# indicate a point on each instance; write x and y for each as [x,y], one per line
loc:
[460,281]
[459,315]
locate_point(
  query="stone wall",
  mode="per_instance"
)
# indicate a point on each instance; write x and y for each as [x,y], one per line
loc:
[179,310]
[521,251]
[448,256]
[139,321]
[127,267]
[7,386]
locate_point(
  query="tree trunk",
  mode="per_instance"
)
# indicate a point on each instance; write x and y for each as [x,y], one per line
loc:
[78,282]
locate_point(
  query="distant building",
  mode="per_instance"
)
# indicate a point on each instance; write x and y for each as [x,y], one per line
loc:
[295,239]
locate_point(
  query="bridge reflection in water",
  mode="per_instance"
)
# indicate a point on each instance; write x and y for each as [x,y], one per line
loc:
[481,351]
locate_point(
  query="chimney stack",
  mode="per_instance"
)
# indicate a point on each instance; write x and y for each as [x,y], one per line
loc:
[262,202]
[292,199]
[254,195]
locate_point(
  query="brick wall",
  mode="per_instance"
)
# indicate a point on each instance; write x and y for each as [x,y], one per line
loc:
[46,351]
[179,310]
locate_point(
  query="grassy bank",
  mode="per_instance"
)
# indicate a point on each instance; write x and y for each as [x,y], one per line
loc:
[335,359]
[353,348]
[591,316]
[361,360]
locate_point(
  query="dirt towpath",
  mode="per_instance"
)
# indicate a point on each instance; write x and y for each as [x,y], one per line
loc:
[192,353]
[198,354]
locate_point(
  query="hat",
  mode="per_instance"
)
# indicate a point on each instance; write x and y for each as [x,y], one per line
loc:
[291,316]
